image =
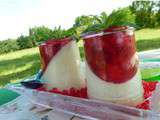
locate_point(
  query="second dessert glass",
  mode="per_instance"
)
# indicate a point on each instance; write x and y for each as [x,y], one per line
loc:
[60,61]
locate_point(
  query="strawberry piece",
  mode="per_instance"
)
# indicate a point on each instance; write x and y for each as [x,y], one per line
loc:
[152,85]
[72,92]
[149,87]
[144,105]
[147,94]
[83,93]
[65,92]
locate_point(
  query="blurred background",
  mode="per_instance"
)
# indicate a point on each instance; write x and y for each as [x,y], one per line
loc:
[24,24]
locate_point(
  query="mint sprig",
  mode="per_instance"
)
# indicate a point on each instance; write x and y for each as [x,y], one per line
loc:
[58,33]
[120,17]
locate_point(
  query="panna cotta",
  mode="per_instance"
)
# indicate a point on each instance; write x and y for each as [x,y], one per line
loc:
[61,65]
[112,71]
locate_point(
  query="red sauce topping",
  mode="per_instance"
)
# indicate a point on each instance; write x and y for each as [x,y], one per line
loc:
[111,56]
[49,49]
[149,87]
[82,93]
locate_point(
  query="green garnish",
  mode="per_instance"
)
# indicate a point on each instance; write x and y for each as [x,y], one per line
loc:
[120,17]
[58,33]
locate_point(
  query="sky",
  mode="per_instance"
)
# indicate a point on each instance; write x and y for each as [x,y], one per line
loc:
[17,16]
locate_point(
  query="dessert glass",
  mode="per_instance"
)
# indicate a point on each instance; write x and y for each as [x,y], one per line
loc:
[112,70]
[61,66]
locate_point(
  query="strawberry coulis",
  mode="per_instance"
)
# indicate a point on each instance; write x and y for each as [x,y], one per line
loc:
[111,56]
[49,49]
[82,93]
[149,87]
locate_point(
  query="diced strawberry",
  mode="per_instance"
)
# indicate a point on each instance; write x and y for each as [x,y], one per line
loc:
[72,92]
[84,93]
[149,87]
[144,105]
[65,92]
[147,94]
[152,85]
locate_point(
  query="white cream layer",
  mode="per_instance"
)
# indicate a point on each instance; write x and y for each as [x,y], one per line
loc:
[128,93]
[63,71]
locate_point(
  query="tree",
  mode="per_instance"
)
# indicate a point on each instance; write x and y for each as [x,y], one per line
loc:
[8,45]
[24,42]
[84,21]
[39,34]
[158,13]
[145,13]
[120,17]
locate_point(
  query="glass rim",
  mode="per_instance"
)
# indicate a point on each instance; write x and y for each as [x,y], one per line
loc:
[101,33]
[55,40]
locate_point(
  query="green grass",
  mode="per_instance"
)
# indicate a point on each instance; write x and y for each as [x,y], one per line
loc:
[25,63]
[148,34]
[148,39]
[18,65]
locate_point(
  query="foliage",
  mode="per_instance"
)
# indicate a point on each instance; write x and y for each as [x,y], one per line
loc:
[25,63]
[141,13]
[82,23]
[36,36]
[146,12]
[58,33]
[39,34]
[158,13]
[8,46]
[120,17]
[24,42]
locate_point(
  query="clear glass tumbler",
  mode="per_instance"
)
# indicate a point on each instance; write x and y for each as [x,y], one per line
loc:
[60,61]
[112,70]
